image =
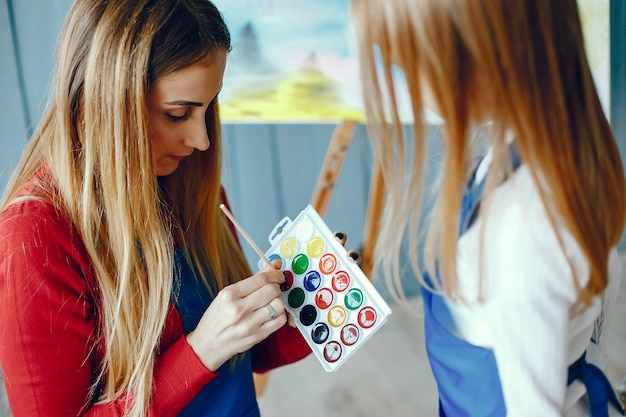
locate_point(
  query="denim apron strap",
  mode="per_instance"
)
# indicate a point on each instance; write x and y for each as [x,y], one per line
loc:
[467,375]
[470,204]
[599,390]
[231,393]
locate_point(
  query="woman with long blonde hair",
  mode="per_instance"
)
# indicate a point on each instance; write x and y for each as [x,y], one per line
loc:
[516,287]
[123,289]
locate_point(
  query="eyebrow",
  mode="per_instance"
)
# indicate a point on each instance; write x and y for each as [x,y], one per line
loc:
[191,103]
[185,103]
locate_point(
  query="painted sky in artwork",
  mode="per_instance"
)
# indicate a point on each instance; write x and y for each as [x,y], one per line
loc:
[292,60]
[295,60]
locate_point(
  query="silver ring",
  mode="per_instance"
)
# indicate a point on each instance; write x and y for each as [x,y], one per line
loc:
[270,311]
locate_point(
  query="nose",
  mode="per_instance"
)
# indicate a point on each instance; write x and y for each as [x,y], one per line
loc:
[197,137]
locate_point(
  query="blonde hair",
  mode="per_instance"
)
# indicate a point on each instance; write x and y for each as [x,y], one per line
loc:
[94,141]
[521,64]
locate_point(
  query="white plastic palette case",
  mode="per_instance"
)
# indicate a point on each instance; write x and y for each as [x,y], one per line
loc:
[332,301]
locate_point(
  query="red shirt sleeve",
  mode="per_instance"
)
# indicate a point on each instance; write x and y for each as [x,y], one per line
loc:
[49,347]
[283,347]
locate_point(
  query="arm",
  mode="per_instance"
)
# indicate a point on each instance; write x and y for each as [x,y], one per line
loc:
[50,353]
[530,311]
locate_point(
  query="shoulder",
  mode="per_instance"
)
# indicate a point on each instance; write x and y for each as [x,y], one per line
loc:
[33,209]
[38,244]
[33,220]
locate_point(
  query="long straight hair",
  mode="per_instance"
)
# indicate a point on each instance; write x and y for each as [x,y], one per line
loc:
[520,64]
[94,141]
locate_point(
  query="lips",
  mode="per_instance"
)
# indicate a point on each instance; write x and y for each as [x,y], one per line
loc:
[177,158]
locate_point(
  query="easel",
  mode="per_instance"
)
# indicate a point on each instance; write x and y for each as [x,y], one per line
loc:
[324,188]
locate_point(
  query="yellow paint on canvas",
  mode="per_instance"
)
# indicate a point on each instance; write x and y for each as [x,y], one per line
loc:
[303,94]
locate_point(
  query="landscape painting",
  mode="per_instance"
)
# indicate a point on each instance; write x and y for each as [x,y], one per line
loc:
[294,61]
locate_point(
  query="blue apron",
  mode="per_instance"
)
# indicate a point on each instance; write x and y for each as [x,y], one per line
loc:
[231,393]
[467,375]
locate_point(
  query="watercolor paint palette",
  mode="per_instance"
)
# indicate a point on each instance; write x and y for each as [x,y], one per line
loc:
[334,304]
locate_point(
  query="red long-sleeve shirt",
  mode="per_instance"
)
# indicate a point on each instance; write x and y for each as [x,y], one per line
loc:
[49,320]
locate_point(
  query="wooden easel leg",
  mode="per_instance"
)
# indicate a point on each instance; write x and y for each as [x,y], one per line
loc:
[332,166]
[372,220]
[326,183]
[260,382]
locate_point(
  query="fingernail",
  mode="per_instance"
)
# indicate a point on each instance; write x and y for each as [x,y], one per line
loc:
[339,235]
[354,255]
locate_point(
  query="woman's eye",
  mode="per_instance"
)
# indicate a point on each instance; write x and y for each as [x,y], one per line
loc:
[177,119]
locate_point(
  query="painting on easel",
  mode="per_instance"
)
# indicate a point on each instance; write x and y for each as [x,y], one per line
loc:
[292,61]
[295,61]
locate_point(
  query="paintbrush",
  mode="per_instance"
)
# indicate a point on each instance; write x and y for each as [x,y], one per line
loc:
[246,236]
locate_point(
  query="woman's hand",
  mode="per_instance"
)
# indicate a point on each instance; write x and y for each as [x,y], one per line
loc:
[243,314]
[354,255]
[240,316]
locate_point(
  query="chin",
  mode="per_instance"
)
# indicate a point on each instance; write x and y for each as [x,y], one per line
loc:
[165,171]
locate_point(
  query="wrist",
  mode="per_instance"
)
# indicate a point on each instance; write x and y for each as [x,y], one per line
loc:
[209,357]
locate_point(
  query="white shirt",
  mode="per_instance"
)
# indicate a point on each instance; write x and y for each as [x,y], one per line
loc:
[530,317]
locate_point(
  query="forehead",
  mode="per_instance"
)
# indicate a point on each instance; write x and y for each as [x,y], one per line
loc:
[199,79]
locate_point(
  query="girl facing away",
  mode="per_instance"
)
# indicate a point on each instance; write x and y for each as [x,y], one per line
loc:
[123,290]
[520,266]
